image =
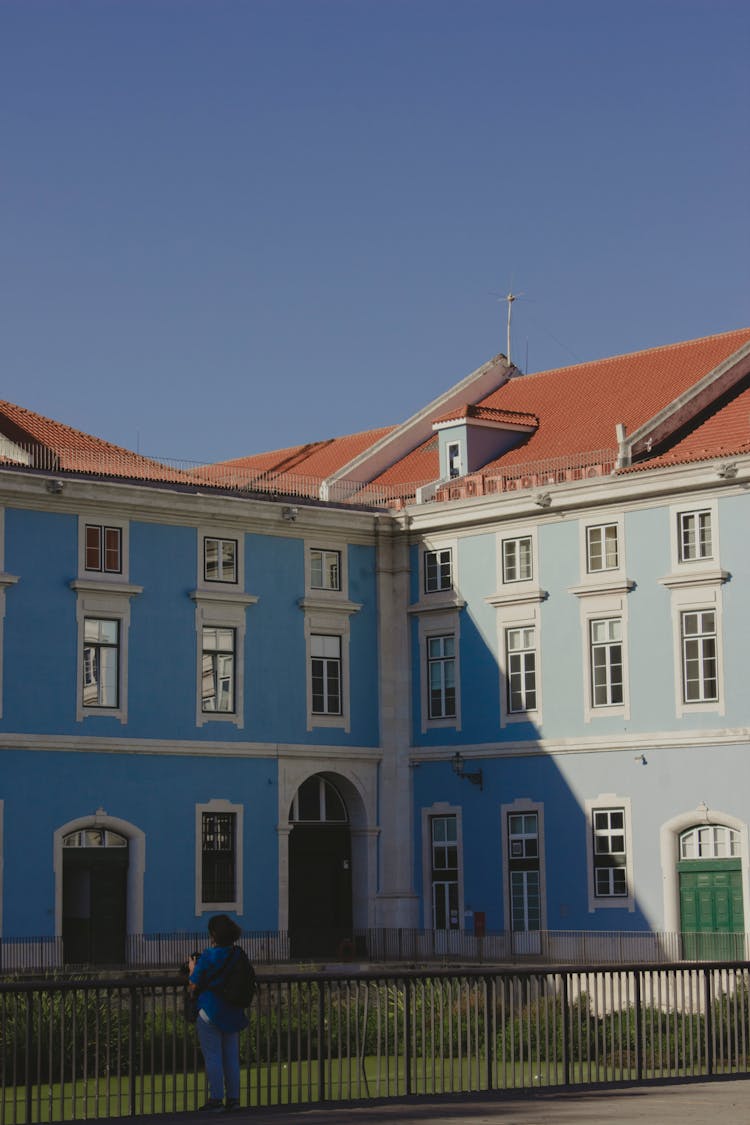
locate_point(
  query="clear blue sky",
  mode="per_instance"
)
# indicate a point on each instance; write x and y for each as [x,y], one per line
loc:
[233,225]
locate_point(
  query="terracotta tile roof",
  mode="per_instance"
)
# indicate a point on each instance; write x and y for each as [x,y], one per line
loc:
[723,432]
[579,406]
[418,467]
[318,459]
[57,447]
[489,414]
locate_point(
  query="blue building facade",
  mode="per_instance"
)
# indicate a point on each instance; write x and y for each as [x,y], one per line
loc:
[503,699]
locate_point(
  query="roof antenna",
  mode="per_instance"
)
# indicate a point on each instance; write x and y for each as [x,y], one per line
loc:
[509,298]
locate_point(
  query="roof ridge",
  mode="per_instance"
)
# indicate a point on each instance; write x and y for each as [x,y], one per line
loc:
[640,352]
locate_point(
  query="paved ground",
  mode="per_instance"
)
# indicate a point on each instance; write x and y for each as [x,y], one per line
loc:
[686,1104]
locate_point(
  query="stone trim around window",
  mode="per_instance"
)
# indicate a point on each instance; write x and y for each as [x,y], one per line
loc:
[597,605]
[614,902]
[111,601]
[523,805]
[693,591]
[438,621]
[114,578]
[321,594]
[219,805]
[222,608]
[324,617]
[440,808]
[220,584]
[518,615]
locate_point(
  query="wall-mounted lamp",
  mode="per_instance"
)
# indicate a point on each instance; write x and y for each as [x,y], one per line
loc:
[474,776]
[543,499]
[54,486]
[727,471]
[289,514]
[641,758]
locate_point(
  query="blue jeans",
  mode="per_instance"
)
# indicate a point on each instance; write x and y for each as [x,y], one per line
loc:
[221,1054]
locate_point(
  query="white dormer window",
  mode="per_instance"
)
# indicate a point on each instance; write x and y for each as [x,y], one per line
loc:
[453,453]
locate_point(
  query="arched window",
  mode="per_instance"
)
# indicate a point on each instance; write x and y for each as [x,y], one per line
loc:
[94,838]
[710,841]
[318,800]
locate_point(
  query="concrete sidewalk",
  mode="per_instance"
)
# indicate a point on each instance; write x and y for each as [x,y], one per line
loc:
[688,1103]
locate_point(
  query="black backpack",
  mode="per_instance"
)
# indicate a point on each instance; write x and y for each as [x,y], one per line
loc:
[236,982]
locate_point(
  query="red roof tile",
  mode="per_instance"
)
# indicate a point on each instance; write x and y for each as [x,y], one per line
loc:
[579,406]
[420,466]
[57,447]
[489,414]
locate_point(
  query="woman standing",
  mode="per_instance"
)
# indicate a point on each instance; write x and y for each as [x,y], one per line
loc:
[219,1023]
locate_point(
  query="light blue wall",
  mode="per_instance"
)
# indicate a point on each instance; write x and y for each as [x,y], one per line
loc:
[156,794]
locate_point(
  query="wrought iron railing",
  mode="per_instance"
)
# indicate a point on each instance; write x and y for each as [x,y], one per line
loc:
[392,946]
[111,1048]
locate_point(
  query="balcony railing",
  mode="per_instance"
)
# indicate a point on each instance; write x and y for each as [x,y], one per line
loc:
[393,947]
[92,1049]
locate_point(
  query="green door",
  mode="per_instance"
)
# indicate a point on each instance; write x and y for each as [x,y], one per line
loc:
[711,909]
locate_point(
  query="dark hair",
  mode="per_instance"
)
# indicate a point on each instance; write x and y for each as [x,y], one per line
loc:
[223,929]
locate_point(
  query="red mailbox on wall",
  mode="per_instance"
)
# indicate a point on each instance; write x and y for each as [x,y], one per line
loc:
[479,923]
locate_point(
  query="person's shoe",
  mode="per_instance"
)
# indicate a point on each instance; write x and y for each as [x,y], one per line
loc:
[213,1105]
[231,1105]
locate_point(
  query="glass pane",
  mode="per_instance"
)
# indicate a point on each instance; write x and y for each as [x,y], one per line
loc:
[93,547]
[316,569]
[112,549]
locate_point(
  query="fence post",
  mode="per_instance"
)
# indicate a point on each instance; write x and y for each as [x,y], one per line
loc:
[638,1030]
[321,1045]
[29,1054]
[407,1037]
[132,1086]
[709,1022]
[565,1041]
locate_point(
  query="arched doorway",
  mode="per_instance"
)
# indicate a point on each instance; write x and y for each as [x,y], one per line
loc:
[711,901]
[320,870]
[94,896]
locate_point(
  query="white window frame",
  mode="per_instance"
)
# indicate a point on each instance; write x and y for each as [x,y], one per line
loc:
[453,460]
[698,637]
[606,645]
[6,581]
[324,593]
[517,540]
[218,653]
[324,552]
[439,624]
[591,530]
[337,660]
[693,597]
[604,802]
[440,808]
[329,620]
[521,806]
[514,713]
[110,602]
[596,606]
[437,599]
[608,579]
[220,585]
[219,805]
[705,563]
[439,588]
[221,609]
[101,519]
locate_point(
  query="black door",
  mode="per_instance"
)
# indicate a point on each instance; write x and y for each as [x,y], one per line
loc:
[94,905]
[320,889]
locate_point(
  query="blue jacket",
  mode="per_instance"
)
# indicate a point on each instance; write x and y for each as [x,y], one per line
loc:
[227,1017]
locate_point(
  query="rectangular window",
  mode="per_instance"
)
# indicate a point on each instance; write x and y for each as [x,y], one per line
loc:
[454,459]
[219,559]
[438,570]
[694,531]
[217,677]
[524,872]
[444,872]
[101,662]
[517,565]
[610,874]
[606,662]
[325,653]
[103,548]
[700,682]
[218,857]
[521,669]
[441,677]
[325,570]
[601,547]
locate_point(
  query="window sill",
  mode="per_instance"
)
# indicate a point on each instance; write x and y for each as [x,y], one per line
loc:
[618,584]
[691,578]
[437,602]
[518,596]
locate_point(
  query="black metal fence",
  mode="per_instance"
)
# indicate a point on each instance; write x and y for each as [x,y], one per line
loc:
[96,1049]
[394,946]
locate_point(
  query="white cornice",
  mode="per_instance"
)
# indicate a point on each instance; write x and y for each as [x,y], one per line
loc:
[625,742]
[93,744]
[91,586]
[518,597]
[223,597]
[688,578]
[329,605]
[451,602]
[603,586]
